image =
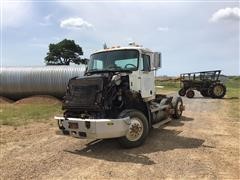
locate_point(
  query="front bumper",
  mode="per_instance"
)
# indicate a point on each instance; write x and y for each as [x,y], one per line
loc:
[94,128]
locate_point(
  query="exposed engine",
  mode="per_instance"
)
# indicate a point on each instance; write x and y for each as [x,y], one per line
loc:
[98,96]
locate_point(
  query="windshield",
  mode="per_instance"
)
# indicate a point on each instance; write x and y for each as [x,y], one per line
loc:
[117,60]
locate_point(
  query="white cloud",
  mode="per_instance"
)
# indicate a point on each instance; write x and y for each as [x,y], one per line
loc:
[16,13]
[162,28]
[75,23]
[232,14]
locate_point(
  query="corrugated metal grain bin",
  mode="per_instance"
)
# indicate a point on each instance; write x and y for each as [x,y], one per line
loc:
[19,82]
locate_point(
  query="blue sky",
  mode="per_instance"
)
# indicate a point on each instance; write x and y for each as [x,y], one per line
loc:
[192,36]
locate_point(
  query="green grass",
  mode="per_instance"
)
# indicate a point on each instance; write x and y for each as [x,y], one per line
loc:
[168,86]
[233,93]
[15,115]
[233,87]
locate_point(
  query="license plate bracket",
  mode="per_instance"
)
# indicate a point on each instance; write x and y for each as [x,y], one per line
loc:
[72,125]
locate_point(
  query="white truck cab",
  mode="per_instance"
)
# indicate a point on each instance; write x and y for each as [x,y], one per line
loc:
[142,78]
[116,97]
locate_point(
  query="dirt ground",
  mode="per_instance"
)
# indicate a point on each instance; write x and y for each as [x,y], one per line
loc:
[204,144]
[40,99]
[4,100]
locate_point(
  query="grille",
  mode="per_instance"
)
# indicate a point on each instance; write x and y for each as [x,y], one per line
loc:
[85,93]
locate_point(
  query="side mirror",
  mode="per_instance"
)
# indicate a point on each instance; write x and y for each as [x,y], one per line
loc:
[157,60]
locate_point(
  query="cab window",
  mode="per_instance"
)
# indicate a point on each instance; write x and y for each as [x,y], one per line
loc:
[146,62]
[98,64]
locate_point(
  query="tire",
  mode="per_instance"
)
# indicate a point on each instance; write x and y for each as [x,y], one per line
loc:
[182,92]
[177,104]
[218,91]
[190,93]
[140,121]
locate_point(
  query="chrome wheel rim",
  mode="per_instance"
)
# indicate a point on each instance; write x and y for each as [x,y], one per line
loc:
[179,108]
[135,130]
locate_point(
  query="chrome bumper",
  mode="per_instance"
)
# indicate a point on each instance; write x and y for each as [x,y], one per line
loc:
[94,128]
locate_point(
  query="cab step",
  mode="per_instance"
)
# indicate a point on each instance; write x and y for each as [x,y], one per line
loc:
[157,125]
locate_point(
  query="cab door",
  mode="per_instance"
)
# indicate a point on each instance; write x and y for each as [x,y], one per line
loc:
[147,78]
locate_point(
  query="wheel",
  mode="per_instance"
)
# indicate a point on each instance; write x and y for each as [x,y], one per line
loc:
[204,93]
[190,93]
[138,129]
[218,91]
[182,92]
[177,105]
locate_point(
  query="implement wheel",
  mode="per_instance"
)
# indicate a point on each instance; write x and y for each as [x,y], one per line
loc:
[190,93]
[182,92]
[218,91]
[138,129]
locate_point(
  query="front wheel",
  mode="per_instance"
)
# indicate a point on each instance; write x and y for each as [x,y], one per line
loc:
[182,92]
[138,129]
[190,93]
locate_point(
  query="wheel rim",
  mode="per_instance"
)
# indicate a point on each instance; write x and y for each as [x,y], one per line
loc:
[135,130]
[218,90]
[190,93]
[179,108]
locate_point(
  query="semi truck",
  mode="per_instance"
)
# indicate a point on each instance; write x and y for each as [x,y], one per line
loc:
[116,97]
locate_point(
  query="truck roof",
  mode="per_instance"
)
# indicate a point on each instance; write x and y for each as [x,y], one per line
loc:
[123,48]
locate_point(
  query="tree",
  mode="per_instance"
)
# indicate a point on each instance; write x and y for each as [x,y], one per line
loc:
[64,52]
